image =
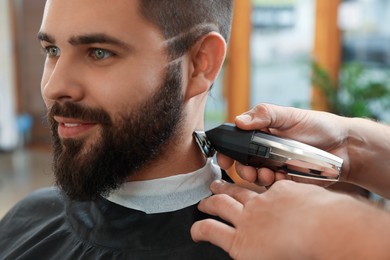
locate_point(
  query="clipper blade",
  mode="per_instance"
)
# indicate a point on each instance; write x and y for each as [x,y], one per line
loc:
[204,143]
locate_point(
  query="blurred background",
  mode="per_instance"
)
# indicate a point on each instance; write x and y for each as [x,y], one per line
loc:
[330,55]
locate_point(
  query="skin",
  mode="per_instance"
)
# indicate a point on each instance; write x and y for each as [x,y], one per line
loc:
[293,220]
[361,143]
[122,72]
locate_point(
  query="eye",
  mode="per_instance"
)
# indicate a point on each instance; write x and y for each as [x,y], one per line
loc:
[101,54]
[51,51]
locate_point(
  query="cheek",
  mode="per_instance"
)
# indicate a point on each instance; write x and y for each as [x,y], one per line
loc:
[126,89]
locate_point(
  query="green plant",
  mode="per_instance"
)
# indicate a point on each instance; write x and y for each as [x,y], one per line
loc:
[358,93]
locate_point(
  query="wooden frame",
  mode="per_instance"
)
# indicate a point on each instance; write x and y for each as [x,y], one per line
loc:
[327,46]
[326,51]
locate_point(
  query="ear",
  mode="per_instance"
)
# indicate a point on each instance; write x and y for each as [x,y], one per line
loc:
[206,59]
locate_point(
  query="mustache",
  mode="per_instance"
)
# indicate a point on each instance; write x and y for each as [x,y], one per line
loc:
[75,110]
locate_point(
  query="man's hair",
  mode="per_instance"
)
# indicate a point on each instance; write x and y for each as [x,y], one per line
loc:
[183,22]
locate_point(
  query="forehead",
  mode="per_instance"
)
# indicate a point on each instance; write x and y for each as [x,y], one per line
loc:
[118,18]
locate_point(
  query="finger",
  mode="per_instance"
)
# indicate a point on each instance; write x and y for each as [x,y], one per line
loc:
[240,194]
[265,177]
[223,206]
[269,116]
[224,161]
[214,232]
[282,176]
[257,118]
[247,173]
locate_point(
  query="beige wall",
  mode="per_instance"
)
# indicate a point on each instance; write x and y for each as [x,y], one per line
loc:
[8,132]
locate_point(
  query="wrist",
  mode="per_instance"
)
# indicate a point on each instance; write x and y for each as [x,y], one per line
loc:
[354,229]
[355,149]
[368,229]
[368,148]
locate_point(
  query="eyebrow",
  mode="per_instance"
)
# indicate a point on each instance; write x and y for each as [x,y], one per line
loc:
[87,39]
[45,37]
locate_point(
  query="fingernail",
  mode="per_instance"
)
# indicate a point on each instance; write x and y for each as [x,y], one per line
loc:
[245,118]
[217,183]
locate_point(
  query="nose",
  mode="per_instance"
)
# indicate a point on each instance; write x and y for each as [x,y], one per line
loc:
[62,80]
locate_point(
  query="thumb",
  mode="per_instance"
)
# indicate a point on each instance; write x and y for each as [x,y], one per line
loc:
[257,118]
[268,116]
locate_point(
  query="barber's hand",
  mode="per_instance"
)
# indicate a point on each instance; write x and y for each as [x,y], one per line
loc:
[319,129]
[292,221]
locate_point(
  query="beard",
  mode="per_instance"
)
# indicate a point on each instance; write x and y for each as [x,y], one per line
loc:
[86,171]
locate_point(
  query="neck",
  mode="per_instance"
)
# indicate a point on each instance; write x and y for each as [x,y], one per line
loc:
[181,154]
[178,157]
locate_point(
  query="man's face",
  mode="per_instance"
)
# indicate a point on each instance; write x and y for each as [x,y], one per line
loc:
[113,101]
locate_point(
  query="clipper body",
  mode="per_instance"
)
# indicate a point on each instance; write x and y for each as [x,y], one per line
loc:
[260,149]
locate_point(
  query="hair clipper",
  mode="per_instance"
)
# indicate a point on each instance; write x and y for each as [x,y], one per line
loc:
[260,149]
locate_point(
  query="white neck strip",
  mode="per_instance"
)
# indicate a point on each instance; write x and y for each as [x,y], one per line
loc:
[167,194]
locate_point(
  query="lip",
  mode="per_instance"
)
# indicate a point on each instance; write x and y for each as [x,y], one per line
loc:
[72,128]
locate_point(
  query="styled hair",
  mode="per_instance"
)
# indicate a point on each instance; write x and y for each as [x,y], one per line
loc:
[183,22]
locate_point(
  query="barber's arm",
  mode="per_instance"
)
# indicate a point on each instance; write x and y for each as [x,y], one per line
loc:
[293,221]
[363,144]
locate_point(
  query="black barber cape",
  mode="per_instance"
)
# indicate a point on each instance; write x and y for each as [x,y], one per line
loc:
[47,225]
